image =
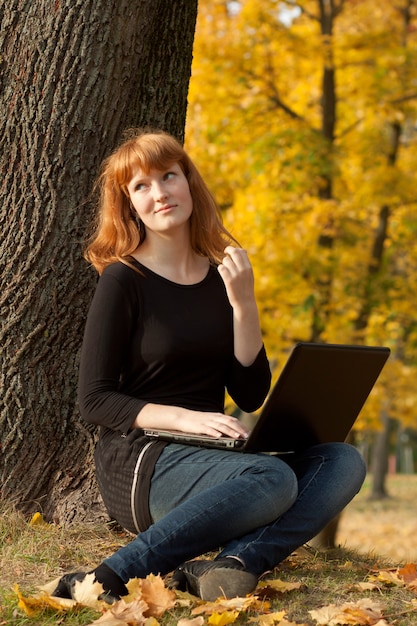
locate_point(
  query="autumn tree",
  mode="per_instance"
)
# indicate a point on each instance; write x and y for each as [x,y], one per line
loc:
[397,92]
[74,74]
[302,115]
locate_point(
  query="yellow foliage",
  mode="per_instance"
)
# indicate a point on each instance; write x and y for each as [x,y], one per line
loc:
[255,128]
[222,619]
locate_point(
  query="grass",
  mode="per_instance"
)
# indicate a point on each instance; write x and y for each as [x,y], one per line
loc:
[33,555]
[388,526]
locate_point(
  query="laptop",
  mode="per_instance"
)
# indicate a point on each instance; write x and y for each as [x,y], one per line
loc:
[316,399]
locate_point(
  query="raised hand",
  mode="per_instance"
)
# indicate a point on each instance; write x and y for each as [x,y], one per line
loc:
[237,274]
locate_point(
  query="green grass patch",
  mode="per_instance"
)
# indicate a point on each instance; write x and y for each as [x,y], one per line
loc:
[34,555]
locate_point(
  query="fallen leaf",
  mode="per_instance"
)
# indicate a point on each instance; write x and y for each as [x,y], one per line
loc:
[195,621]
[87,591]
[222,619]
[232,604]
[38,520]
[122,613]
[153,591]
[32,606]
[362,613]
[279,585]
[364,587]
[388,577]
[269,619]
[51,586]
[404,576]
[408,573]
[184,598]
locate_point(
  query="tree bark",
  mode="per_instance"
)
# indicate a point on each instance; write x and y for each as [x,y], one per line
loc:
[328,13]
[379,463]
[74,74]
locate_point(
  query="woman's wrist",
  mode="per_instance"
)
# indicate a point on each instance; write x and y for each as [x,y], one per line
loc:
[159,416]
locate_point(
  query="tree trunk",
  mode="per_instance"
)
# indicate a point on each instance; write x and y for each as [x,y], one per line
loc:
[379,463]
[326,539]
[75,74]
[323,287]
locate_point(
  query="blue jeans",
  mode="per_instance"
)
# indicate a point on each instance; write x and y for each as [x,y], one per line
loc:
[257,507]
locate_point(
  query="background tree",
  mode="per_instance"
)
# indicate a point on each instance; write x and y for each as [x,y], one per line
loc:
[303,117]
[75,74]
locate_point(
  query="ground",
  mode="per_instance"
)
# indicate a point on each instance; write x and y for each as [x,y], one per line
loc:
[387,527]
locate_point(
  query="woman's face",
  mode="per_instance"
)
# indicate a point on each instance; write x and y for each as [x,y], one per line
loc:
[161,198]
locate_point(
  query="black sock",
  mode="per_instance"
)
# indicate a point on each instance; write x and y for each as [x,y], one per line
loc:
[112,583]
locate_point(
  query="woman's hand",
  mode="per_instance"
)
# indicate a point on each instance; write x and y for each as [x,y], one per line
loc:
[211,424]
[237,274]
[164,417]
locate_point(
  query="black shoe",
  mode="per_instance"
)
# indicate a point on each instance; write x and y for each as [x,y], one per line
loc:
[66,585]
[66,588]
[209,580]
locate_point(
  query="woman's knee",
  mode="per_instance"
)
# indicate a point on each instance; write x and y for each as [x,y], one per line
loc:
[275,484]
[349,458]
[347,462]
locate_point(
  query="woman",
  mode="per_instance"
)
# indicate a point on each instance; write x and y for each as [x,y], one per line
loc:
[173,323]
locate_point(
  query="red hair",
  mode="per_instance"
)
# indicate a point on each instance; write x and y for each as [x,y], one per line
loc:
[117,233]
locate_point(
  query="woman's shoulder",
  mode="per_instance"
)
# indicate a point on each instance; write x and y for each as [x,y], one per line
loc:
[127,270]
[120,278]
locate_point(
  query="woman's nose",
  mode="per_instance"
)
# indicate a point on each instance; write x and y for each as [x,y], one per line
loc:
[159,192]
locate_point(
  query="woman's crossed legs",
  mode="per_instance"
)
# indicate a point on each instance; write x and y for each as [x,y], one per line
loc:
[258,507]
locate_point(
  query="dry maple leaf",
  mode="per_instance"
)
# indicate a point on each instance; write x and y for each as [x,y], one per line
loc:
[195,621]
[388,577]
[86,594]
[153,591]
[364,587]
[32,606]
[122,613]
[280,586]
[222,619]
[233,604]
[269,619]
[48,588]
[362,613]
[408,573]
[184,598]
[87,591]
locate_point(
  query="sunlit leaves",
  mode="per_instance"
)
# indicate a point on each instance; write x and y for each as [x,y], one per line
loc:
[361,613]
[254,128]
[149,600]
[153,592]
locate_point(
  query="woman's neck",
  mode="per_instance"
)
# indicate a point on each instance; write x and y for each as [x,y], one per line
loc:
[173,260]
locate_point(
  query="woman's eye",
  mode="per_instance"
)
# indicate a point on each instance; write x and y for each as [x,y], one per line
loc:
[169,175]
[139,187]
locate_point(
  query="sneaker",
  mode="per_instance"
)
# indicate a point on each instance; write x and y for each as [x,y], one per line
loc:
[209,580]
[66,585]
[66,588]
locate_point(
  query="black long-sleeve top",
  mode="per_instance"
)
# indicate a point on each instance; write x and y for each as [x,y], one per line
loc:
[148,339]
